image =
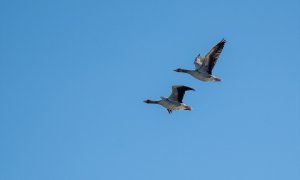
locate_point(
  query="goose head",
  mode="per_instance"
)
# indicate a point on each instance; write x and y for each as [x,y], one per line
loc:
[178,70]
[147,101]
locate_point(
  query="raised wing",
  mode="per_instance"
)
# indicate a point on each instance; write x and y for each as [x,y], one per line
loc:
[198,61]
[211,58]
[178,93]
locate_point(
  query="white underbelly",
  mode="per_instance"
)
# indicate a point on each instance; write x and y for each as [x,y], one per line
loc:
[171,105]
[202,76]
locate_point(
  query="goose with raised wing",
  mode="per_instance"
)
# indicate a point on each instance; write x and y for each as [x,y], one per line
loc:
[204,66]
[174,101]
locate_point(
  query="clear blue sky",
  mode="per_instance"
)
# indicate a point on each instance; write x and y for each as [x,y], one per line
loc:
[74,75]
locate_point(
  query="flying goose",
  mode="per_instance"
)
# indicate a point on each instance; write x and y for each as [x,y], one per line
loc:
[204,66]
[174,101]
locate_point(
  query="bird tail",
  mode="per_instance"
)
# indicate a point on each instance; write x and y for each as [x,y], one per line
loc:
[217,79]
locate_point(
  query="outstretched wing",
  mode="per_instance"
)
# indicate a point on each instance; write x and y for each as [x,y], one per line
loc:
[198,61]
[178,93]
[211,58]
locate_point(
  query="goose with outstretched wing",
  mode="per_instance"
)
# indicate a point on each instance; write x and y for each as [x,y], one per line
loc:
[204,66]
[174,101]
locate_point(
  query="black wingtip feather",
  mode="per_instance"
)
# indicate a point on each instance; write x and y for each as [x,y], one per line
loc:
[181,91]
[185,88]
[223,41]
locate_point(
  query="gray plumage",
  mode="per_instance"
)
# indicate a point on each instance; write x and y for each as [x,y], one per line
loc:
[204,66]
[174,101]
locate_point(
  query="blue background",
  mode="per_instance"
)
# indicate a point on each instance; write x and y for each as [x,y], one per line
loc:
[74,75]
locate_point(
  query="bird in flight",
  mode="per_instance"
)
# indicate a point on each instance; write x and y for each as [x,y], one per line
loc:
[204,66]
[174,101]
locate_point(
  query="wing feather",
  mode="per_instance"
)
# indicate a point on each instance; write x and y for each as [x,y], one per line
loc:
[178,93]
[212,57]
[198,61]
